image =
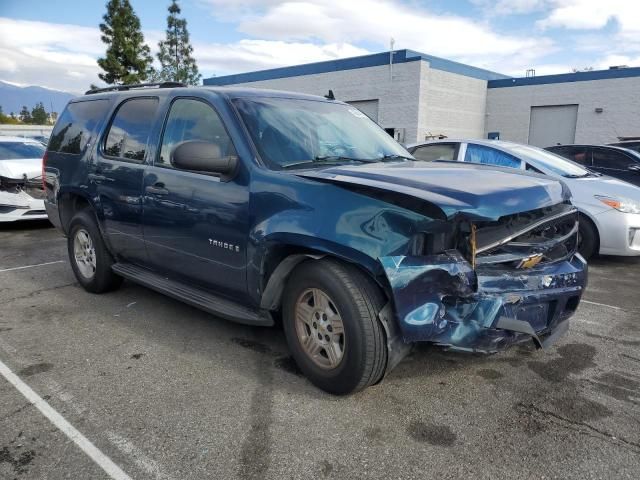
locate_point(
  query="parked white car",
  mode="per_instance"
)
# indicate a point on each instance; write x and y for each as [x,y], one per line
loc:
[21,192]
[609,208]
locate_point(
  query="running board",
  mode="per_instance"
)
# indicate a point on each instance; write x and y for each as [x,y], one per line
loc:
[195,297]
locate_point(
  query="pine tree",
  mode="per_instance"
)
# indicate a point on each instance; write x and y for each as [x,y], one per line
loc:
[175,55]
[128,59]
[25,115]
[39,114]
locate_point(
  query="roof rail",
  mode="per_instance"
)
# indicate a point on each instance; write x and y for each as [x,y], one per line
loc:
[120,88]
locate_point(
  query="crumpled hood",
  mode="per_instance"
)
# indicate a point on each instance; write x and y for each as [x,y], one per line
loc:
[476,191]
[16,169]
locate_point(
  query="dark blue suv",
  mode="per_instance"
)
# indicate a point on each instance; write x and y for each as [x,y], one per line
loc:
[262,206]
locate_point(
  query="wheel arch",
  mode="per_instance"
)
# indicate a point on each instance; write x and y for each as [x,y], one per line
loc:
[279,261]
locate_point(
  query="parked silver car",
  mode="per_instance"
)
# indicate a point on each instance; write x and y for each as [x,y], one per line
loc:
[21,190]
[609,208]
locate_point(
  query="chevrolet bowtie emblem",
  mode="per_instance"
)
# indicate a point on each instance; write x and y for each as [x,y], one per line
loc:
[531,261]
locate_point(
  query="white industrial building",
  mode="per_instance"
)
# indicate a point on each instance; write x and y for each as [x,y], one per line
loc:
[416,96]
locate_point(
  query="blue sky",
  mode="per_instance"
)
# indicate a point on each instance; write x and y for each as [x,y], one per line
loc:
[55,44]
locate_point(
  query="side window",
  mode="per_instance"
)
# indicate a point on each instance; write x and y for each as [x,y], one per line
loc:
[580,155]
[605,158]
[191,119]
[436,151]
[130,128]
[490,156]
[75,126]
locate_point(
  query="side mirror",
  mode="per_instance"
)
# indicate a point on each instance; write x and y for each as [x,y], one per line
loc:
[200,156]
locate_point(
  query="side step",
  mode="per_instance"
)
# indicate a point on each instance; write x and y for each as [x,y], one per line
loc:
[195,297]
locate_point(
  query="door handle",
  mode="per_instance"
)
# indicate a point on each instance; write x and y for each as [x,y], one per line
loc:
[157,189]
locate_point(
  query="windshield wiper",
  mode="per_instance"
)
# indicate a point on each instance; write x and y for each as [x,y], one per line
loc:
[395,157]
[328,160]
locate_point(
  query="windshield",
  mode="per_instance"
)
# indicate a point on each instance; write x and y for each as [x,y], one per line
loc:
[290,132]
[550,161]
[19,150]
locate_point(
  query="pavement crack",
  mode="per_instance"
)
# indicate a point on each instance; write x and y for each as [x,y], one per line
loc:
[38,292]
[16,411]
[602,434]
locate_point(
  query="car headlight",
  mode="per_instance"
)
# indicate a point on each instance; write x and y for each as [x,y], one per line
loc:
[623,205]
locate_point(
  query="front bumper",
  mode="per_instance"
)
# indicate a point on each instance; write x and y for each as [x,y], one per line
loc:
[441,299]
[619,233]
[20,206]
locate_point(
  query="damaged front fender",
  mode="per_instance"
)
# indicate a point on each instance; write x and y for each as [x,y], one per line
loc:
[443,300]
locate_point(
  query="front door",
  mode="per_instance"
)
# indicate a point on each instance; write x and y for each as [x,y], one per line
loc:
[195,224]
[117,175]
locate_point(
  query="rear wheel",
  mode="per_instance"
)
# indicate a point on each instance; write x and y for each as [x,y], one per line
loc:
[330,318]
[90,260]
[588,238]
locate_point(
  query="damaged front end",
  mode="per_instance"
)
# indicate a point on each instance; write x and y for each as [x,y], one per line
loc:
[493,284]
[21,199]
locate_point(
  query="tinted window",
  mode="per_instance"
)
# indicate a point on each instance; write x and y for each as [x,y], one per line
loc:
[490,156]
[437,151]
[129,131]
[193,120]
[605,158]
[75,126]
[579,155]
[18,150]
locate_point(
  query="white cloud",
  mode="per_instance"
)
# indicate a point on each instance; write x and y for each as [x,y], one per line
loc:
[247,55]
[376,21]
[511,7]
[595,14]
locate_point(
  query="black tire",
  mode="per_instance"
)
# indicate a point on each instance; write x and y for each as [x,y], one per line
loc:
[103,278]
[358,300]
[588,238]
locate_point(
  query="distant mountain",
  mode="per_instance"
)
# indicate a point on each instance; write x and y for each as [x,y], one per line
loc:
[12,98]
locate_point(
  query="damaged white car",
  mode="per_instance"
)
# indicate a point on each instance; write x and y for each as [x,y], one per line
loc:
[21,190]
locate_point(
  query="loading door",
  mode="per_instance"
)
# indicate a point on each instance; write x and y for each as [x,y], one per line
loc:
[368,107]
[553,125]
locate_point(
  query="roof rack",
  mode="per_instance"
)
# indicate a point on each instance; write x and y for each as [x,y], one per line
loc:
[120,88]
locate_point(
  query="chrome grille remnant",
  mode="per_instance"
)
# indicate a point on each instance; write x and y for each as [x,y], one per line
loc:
[528,239]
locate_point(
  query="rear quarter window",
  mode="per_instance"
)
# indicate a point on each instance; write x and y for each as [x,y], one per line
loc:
[76,125]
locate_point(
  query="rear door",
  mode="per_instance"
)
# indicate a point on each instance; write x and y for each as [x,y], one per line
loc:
[615,163]
[116,178]
[195,224]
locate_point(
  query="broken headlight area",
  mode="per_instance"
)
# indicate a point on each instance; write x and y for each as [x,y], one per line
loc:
[487,295]
[16,193]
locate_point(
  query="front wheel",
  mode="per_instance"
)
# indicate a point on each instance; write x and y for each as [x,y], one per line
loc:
[588,238]
[330,318]
[90,260]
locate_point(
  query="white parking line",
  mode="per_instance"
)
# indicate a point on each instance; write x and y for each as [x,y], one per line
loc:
[601,304]
[65,427]
[30,266]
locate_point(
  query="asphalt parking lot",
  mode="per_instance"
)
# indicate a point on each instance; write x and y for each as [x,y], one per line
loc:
[166,391]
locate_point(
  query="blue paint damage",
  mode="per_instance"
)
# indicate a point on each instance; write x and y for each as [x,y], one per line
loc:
[441,299]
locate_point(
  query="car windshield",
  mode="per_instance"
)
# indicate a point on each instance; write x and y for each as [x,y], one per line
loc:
[290,133]
[19,150]
[544,159]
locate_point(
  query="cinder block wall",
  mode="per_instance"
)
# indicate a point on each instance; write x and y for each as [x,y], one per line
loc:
[451,104]
[509,108]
